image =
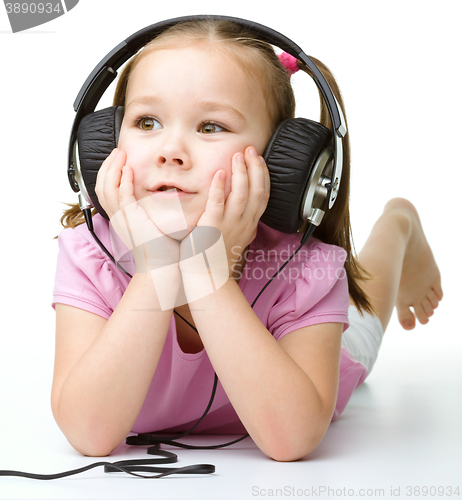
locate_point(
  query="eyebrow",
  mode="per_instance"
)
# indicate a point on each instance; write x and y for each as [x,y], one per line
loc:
[207,106]
[211,106]
[143,101]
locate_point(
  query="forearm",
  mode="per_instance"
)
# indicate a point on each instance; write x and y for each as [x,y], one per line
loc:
[103,393]
[275,399]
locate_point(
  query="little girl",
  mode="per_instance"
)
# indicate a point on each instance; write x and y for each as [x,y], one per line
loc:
[201,102]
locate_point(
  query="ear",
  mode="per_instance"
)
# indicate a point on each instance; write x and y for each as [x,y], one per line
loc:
[290,156]
[97,136]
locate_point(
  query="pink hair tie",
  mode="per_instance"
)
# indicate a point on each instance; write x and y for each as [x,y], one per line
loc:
[289,62]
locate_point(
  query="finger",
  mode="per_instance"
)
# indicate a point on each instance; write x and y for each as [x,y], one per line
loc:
[126,188]
[105,165]
[110,181]
[258,188]
[238,197]
[101,177]
[114,174]
[120,217]
[214,209]
[267,188]
[135,214]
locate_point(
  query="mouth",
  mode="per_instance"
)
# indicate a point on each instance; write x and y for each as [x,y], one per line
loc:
[171,188]
[167,188]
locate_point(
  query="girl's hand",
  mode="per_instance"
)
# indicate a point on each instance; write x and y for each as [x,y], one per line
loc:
[132,220]
[237,216]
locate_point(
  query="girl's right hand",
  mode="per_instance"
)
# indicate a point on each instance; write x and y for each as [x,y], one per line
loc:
[150,248]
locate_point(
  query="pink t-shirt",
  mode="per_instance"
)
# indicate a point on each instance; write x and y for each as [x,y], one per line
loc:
[311,289]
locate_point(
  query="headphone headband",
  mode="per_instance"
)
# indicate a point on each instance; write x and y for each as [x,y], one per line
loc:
[106,71]
[87,96]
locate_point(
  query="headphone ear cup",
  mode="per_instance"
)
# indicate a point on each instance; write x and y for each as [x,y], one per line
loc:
[97,136]
[290,156]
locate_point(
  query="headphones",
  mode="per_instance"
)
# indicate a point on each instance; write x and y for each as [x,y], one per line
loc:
[303,159]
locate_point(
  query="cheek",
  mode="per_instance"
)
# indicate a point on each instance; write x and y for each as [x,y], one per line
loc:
[131,145]
[136,157]
[221,160]
[132,152]
[123,138]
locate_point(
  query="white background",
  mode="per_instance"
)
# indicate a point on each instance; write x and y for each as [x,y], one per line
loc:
[398,65]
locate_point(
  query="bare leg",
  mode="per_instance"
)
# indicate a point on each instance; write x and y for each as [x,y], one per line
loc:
[402,265]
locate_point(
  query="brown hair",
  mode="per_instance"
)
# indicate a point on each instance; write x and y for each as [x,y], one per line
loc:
[336,227]
[260,63]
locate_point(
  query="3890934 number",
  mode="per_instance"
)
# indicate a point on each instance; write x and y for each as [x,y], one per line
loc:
[33,8]
[432,491]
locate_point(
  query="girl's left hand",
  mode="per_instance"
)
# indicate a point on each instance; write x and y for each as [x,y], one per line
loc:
[236,217]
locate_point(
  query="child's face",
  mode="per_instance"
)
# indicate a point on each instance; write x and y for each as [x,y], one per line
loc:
[188,111]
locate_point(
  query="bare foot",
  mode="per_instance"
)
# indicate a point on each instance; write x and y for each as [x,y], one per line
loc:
[420,285]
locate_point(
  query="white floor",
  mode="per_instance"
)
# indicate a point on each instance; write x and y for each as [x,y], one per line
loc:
[401,432]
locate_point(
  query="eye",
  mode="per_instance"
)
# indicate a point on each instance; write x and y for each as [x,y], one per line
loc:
[148,123]
[211,128]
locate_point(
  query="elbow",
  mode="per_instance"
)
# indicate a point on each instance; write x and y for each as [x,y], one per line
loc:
[89,440]
[93,442]
[284,451]
[91,448]
[296,442]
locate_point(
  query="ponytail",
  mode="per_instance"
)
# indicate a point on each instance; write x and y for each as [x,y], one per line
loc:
[335,228]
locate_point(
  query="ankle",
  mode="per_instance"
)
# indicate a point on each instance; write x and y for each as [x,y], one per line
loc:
[401,212]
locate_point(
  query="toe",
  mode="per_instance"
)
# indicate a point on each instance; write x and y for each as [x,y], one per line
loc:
[438,291]
[427,307]
[433,299]
[421,315]
[406,317]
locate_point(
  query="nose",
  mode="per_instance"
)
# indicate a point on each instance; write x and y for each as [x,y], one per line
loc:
[163,160]
[172,152]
